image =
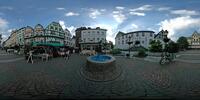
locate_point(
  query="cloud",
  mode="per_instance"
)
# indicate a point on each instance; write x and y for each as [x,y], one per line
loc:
[3,28]
[164,8]
[119,17]
[60,8]
[6,8]
[71,14]
[179,24]
[184,12]
[102,10]
[118,14]
[134,26]
[3,23]
[142,8]
[62,23]
[137,13]
[70,28]
[94,13]
[119,8]
[130,27]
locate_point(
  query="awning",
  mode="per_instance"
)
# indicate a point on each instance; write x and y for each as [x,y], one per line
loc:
[47,44]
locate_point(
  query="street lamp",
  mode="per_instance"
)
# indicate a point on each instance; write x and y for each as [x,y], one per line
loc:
[129,43]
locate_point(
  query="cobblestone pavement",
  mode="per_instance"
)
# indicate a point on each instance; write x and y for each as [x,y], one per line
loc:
[59,78]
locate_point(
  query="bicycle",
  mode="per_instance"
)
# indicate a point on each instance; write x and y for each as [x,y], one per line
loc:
[165,59]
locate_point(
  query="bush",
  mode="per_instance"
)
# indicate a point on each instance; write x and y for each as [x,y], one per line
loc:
[173,47]
[141,53]
[115,51]
[155,46]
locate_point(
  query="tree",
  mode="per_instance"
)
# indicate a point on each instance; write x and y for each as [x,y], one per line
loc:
[155,46]
[182,43]
[173,47]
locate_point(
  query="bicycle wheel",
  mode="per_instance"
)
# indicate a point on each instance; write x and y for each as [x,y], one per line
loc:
[162,61]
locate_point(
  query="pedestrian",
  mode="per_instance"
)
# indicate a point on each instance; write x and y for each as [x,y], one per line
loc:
[67,54]
[73,51]
[30,57]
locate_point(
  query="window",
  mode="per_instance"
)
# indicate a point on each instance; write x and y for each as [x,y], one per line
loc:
[51,27]
[122,41]
[137,34]
[142,42]
[88,31]
[56,28]
[97,31]
[142,34]
[97,39]
[151,34]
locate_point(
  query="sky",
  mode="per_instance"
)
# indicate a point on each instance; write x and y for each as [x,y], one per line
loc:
[179,17]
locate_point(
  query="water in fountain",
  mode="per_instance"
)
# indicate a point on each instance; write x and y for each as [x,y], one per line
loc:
[101,58]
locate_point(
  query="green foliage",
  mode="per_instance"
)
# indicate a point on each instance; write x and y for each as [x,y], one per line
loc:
[173,47]
[137,48]
[155,46]
[182,43]
[115,51]
[141,53]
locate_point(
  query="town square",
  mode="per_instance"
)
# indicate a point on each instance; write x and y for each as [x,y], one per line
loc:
[92,49]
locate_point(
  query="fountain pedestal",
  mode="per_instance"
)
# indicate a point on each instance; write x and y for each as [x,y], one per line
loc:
[101,68]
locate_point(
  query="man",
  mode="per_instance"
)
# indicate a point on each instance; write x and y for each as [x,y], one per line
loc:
[30,57]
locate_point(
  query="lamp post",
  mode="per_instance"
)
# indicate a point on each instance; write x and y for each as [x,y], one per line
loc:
[129,43]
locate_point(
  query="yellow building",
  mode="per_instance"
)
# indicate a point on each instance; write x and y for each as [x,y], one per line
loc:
[194,40]
[12,39]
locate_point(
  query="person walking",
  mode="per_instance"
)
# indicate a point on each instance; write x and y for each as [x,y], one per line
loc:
[30,57]
[73,51]
[67,54]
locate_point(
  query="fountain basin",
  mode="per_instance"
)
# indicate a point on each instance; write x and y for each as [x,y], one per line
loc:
[101,68]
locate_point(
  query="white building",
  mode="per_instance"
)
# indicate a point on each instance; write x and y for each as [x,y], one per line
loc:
[68,38]
[90,38]
[144,38]
[73,41]
[194,40]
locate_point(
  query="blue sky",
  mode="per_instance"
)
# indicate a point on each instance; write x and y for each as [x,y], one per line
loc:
[179,17]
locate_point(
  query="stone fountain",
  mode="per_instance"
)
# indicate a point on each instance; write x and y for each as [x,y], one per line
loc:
[101,67]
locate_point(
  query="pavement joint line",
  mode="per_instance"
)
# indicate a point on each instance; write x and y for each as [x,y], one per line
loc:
[11,60]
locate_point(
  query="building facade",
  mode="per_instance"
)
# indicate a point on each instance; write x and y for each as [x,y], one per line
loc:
[52,35]
[78,36]
[144,38]
[68,38]
[194,40]
[20,36]
[160,37]
[12,39]
[91,38]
